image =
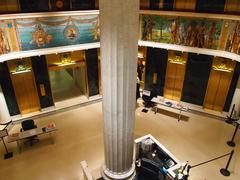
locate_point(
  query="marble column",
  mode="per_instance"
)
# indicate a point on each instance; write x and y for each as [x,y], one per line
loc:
[4,113]
[119,37]
[236,100]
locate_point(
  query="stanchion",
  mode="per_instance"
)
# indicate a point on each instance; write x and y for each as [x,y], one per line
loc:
[7,155]
[4,133]
[232,143]
[225,171]
[229,118]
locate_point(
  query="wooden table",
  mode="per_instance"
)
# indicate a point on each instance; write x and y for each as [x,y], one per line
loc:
[17,137]
[174,105]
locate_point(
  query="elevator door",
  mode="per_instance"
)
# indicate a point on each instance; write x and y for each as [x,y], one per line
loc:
[26,92]
[219,83]
[217,90]
[174,81]
[176,67]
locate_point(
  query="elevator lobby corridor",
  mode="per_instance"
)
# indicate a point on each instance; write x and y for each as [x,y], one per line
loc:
[79,137]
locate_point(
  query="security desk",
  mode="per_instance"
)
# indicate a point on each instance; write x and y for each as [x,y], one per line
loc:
[154,160]
[17,137]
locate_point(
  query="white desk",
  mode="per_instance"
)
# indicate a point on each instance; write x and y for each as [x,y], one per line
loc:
[169,103]
[17,137]
[171,170]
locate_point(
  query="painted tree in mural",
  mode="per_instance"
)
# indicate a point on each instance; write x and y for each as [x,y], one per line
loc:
[162,25]
[147,28]
[155,28]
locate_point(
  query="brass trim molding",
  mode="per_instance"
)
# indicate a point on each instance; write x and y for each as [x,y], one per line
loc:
[45,51]
[211,52]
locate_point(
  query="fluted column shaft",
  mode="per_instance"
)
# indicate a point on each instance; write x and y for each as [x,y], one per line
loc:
[119,36]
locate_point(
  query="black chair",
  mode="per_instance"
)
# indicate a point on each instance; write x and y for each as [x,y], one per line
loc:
[147,97]
[28,125]
[149,169]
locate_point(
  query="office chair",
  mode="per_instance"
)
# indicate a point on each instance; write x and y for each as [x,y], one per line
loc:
[147,97]
[28,125]
[149,169]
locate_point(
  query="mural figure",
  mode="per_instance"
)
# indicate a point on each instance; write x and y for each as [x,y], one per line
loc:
[195,32]
[194,37]
[147,34]
[181,34]
[200,35]
[210,35]
[3,43]
[231,32]
[188,35]
[40,37]
[236,39]
[174,31]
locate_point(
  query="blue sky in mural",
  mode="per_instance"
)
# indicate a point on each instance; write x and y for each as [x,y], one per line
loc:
[56,30]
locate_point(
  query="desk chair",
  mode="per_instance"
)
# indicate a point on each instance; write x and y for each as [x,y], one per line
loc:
[28,125]
[147,97]
[149,169]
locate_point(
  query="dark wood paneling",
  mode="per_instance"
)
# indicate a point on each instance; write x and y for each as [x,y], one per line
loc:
[196,78]
[156,63]
[185,5]
[33,5]
[168,5]
[92,71]
[144,4]
[8,90]
[154,4]
[232,88]
[210,6]
[60,5]
[232,7]
[83,4]
[39,65]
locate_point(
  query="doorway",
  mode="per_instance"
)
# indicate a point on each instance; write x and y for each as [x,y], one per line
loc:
[67,74]
[23,81]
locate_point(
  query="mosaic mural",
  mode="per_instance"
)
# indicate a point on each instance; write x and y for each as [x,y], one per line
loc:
[36,33]
[203,33]
[233,37]
[4,44]
[54,32]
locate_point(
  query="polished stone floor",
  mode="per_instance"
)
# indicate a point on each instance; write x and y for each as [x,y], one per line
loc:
[79,137]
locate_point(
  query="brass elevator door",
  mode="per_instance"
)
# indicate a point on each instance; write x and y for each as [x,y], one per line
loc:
[217,90]
[174,81]
[26,92]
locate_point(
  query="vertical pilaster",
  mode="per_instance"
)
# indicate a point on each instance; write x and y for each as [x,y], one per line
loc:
[119,36]
[235,100]
[4,113]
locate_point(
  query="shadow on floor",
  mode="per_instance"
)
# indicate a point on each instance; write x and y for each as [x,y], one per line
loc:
[172,114]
